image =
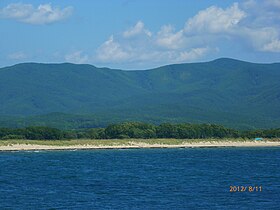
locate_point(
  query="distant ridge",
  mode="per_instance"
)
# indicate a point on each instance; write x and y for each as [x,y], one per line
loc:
[218,60]
[225,91]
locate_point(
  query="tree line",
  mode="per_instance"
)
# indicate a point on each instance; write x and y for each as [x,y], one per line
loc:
[137,130]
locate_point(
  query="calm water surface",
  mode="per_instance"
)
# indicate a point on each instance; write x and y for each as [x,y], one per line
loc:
[140,179]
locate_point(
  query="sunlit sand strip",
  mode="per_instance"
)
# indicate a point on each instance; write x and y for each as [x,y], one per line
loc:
[132,145]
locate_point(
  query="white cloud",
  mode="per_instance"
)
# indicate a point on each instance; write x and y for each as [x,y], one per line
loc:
[112,51]
[27,13]
[167,46]
[193,54]
[273,46]
[215,20]
[17,56]
[126,51]
[77,57]
[261,39]
[138,29]
[252,26]
[167,38]
[257,26]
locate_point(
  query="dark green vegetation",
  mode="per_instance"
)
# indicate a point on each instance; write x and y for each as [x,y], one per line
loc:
[233,93]
[137,130]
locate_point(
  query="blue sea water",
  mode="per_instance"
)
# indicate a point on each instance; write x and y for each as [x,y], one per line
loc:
[197,178]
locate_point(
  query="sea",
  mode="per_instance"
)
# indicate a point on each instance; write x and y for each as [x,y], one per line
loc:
[186,178]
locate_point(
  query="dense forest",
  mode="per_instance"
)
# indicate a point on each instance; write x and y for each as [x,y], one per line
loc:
[233,93]
[137,130]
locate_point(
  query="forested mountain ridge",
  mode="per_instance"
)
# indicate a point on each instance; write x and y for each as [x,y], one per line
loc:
[224,91]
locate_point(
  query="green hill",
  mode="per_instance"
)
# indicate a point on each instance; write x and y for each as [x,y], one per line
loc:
[224,91]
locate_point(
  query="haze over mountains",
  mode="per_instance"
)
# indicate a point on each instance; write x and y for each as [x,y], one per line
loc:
[224,91]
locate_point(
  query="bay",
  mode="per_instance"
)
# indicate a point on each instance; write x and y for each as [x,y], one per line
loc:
[198,178]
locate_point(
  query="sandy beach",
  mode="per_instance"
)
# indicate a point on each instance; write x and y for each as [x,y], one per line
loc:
[137,145]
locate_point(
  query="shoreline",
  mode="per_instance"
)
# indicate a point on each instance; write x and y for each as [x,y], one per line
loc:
[138,145]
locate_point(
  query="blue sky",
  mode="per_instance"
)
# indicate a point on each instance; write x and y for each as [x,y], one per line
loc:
[138,34]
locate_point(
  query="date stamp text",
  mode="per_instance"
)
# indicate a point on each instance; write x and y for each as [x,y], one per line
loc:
[245,188]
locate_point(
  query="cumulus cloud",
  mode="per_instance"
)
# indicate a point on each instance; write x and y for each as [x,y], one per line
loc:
[215,20]
[138,29]
[167,38]
[253,25]
[273,46]
[77,57]
[257,25]
[27,13]
[260,38]
[112,51]
[193,54]
[137,51]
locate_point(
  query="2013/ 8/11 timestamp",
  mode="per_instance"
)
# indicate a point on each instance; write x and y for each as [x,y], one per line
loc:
[245,188]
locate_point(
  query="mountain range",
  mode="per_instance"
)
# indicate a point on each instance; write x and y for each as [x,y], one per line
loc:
[225,91]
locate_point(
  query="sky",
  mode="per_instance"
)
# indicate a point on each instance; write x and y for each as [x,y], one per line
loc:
[138,34]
